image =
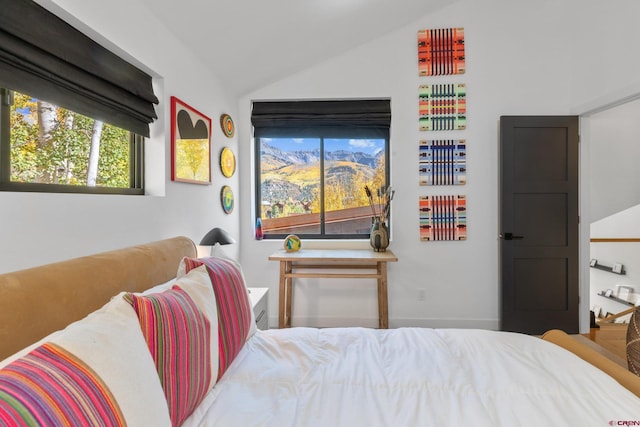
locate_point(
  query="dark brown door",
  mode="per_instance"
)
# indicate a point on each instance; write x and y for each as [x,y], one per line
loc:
[539,223]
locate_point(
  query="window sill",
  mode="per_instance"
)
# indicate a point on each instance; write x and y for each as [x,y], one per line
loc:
[324,243]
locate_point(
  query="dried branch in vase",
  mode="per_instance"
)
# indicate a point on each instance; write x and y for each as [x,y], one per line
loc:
[384,197]
[367,191]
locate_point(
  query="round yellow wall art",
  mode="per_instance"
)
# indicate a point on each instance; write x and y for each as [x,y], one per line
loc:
[227,162]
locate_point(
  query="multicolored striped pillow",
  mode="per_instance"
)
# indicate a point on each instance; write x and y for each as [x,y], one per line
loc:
[50,386]
[178,335]
[234,309]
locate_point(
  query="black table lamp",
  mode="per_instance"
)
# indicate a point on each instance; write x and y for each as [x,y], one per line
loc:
[217,236]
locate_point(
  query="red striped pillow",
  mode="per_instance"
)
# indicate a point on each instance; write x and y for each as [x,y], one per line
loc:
[178,335]
[234,308]
[50,386]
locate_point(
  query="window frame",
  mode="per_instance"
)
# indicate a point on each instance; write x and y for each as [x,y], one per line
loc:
[136,163]
[75,72]
[322,235]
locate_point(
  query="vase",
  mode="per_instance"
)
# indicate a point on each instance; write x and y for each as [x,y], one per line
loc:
[259,233]
[379,237]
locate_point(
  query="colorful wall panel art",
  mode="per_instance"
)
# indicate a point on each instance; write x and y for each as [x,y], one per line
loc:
[443,217]
[443,162]
[443,107]
[441,52]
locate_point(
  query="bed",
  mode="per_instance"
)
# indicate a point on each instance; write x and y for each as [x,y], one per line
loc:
[412,377]
[344,376]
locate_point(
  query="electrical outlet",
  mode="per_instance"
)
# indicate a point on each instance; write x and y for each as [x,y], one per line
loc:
[422,294]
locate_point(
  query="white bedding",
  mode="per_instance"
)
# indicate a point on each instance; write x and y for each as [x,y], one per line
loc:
[410,377]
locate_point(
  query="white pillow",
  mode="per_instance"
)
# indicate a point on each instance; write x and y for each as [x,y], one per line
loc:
[253,328]
[111,343]
[161,287]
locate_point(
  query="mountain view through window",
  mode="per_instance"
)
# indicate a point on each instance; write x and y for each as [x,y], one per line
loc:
[315,186]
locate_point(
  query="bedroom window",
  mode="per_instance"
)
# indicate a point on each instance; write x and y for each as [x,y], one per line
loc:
[50,148]
[313,159]
[73,115]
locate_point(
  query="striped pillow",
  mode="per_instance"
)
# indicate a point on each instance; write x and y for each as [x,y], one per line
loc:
[50,386]
[178,335]
[234,308]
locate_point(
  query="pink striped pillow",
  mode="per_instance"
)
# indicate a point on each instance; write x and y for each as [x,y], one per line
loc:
[234,308]
[50,386]
[178,335]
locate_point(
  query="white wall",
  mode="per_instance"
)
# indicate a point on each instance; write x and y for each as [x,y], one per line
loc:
[37,228]
[608,253]
[506,74]
[614,152]
[544,57]
[523,58]
[605,74]
[623,224]
[604,66]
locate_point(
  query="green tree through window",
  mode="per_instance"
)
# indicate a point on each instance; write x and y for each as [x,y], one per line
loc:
[51,148]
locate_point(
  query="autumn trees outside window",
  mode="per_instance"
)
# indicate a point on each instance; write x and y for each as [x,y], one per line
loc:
[73,114]
[50,148]
[313,159]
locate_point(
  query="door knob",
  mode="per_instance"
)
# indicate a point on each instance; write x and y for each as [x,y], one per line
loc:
[511,236]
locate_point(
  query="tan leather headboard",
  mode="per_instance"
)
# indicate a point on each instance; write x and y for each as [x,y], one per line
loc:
[623,376]
[37,301]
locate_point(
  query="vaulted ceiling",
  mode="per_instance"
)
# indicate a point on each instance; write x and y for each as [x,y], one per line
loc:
[251,43]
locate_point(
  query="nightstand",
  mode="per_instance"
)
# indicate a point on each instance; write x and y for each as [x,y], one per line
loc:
[259,301]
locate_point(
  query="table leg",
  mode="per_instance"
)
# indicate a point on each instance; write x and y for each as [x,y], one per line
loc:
[383,307]
[282,296]
[289,291]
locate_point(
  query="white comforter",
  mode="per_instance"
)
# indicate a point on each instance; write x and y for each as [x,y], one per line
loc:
[411,377]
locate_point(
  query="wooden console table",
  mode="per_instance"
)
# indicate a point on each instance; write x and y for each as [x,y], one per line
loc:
[330,259]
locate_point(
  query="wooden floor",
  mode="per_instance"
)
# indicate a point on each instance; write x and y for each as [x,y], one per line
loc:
[613,339]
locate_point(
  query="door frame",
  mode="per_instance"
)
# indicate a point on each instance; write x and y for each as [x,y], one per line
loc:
[584,112]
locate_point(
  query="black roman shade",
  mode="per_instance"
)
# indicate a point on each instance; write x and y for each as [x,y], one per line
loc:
[42,55]
[366,118]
